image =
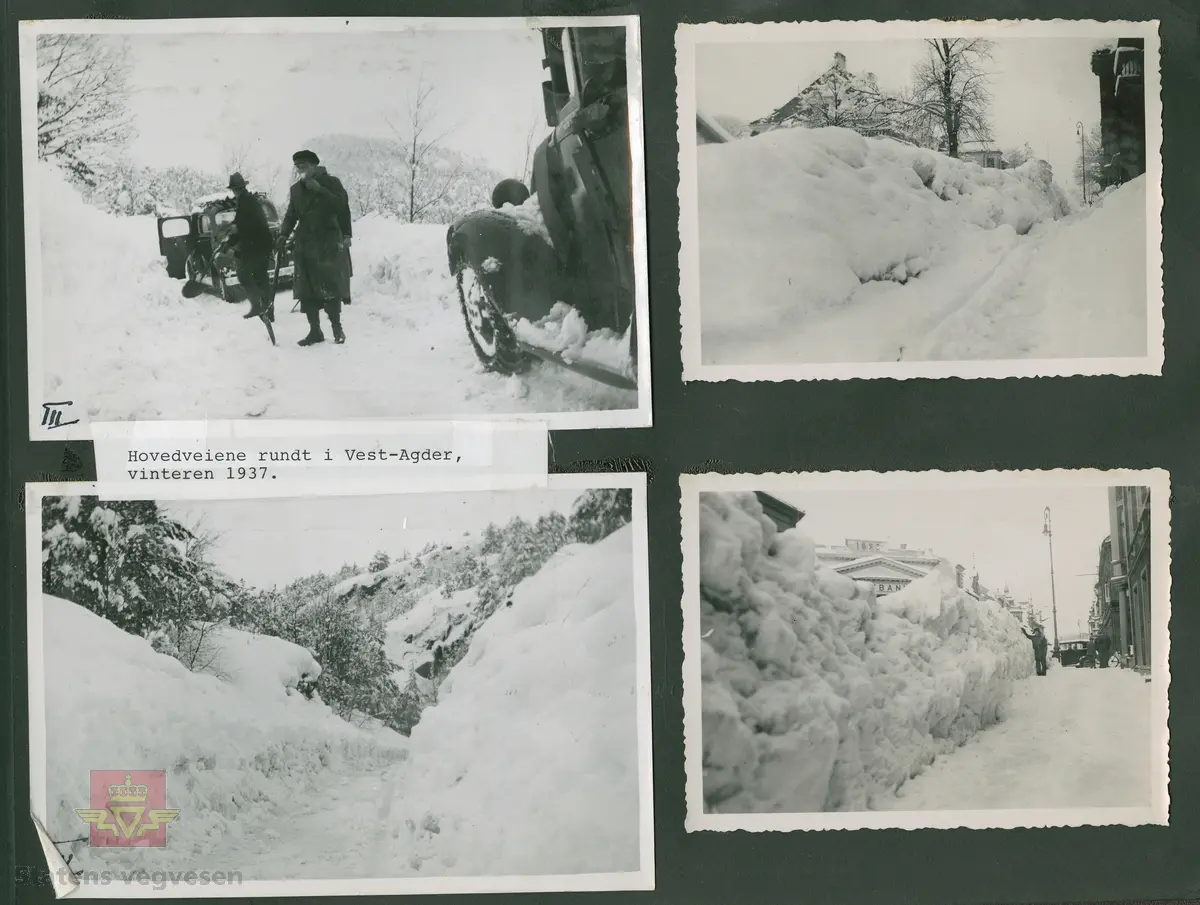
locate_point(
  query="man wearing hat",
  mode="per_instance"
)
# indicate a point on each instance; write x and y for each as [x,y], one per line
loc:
[319,212]
[251,244]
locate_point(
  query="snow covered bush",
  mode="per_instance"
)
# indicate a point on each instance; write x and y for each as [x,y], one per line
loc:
[548,691]
[818,696]
[234,753]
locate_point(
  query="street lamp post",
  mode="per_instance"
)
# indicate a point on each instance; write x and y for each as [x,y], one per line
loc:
[1046,530]
[1082,160]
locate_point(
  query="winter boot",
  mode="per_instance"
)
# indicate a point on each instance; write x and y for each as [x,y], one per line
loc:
[334,310]
[314,329]
[256,309]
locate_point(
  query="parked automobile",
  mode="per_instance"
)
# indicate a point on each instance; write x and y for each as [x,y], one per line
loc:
[576,245]
[189,243]
[1070,653]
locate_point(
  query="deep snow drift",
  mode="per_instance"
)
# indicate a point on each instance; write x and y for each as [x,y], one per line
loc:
[529,761]
[820,245]
[118,335]
[235,752]
[527,764]
[817,696]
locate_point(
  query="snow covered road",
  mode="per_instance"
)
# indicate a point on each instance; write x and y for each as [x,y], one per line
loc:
[1075,738]
[151,354]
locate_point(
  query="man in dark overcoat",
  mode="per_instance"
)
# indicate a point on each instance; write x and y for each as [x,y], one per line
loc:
[250,243]
[319,213]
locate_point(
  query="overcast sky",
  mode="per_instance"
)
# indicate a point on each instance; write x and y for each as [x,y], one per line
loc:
[999,529]
[1041,86]
[195,95]
[274,541]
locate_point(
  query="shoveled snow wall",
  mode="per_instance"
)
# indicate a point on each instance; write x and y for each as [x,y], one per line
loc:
[798,219]
[528,763]
[818,696]
[231,749]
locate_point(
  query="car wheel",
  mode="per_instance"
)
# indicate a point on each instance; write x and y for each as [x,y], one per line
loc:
[491,337]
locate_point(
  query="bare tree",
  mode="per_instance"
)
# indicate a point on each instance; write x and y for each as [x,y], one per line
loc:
[427,183]
[83,89]
[949,101]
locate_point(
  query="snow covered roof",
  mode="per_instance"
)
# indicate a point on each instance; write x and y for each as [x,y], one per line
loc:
[204,200]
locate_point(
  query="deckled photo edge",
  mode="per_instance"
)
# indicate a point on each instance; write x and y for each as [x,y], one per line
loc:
[688,35]
[687,194]
[641,415]
[639,880]
[692,485]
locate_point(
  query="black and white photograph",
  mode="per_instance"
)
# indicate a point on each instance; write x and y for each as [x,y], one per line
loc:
[395,692]
[920,199]
[314,219]
[927,649]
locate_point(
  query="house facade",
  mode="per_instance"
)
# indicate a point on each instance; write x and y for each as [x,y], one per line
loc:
[1120,71]
[889,568]
[1129,574]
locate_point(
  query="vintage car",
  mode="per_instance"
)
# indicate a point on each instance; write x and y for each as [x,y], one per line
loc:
[1070,653]
[190,241]
[577,246]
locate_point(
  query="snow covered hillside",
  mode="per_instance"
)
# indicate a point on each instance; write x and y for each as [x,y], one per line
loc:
[152,354]
[817,696]
[820,245]
[548,691]
[235,752]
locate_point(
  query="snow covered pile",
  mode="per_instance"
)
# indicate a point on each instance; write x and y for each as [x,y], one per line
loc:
[797,220]
[529,761]
[231,757]
[565,331]
[98,271]
[258,664]
[529,218]
[816,694]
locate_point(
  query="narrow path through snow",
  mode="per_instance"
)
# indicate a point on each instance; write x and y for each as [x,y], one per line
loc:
[352,830]
[1073,738]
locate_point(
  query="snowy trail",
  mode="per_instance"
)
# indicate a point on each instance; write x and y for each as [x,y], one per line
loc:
[1073,738]
[346,833]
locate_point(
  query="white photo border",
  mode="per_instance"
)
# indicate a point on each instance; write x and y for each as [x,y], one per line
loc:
[639,880]
[688,36]
[28,31]
[1157,813]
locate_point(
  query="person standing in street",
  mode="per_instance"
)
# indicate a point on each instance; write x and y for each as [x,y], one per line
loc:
[1040,646]
[319,213]
[251,244]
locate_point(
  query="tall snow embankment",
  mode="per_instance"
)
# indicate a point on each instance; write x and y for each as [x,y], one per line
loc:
[233,751]
[797,220]
[101,276]
[816,695]
[528,763]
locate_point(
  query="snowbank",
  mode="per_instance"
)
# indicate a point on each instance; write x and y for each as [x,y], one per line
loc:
[539,724]
[818,696]
[258,664]
[230,757]
[798,220]
[565,332]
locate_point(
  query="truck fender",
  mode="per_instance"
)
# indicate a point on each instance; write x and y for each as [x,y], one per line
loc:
[517,265]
